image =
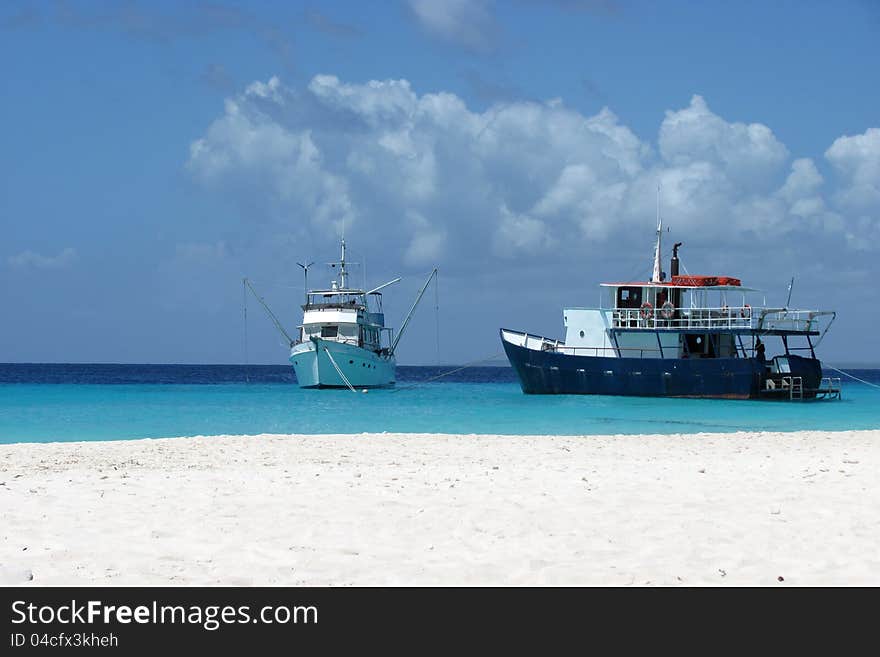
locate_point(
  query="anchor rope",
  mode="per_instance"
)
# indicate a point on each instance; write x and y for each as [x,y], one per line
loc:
[437,313]
[873,385]
[458,369]
[247,378]
[344,378]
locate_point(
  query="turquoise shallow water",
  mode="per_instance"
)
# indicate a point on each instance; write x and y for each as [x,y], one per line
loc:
[42,412]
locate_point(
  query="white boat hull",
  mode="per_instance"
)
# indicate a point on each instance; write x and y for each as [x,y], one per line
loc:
[363,368]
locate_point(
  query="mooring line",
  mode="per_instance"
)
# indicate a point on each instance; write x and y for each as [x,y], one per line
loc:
[873,385]
[458,369]
[247,378]
[344,378]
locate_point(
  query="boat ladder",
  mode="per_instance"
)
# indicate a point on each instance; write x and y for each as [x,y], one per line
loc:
[795,387]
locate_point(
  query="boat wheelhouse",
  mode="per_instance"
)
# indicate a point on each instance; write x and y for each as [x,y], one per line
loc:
[686,336]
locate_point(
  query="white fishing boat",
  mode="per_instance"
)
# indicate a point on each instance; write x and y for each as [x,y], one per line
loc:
[343,341]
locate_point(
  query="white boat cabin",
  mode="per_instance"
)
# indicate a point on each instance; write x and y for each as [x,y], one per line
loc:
[343,315]
[685,317]
[678,319]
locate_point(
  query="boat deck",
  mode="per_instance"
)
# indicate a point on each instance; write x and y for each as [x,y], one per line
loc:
[791,388]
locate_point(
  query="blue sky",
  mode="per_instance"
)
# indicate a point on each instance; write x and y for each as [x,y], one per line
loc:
[155,153]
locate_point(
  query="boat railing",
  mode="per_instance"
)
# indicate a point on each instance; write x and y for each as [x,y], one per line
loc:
[721,318]
[684,318]
[351,341]
[784,319]
[333,305]
[540,343]
[629,352]
[829,388]
[338,339]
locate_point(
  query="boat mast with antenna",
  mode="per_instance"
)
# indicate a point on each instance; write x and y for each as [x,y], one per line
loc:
[342,273]
[657,276]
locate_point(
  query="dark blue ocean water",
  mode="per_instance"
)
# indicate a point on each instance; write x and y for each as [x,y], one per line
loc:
[40,403]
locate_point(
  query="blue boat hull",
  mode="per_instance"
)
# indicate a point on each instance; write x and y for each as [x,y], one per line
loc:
[548,372]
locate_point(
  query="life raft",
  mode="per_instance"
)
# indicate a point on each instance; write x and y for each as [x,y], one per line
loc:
[704,281]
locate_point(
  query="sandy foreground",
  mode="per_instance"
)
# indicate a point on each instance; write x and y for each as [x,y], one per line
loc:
[381,509]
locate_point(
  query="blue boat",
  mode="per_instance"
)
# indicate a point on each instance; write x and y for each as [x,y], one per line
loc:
[685,336]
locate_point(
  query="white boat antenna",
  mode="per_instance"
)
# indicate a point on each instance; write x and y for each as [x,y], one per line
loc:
[656,277]
[411,311]
[342,273]
[305,269]
[790,286]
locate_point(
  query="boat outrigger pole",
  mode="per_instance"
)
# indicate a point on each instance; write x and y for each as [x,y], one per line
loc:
[384,285]
[274,319]
[411,311]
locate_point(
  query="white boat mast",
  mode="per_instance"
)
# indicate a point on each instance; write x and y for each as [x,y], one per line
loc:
[658,272]
[342,273]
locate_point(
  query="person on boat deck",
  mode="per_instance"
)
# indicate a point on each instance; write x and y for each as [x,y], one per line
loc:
[759,350]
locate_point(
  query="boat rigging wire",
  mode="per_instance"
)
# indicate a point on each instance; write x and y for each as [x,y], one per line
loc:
[272,316]
[873,385]
[410,313]
[828,326]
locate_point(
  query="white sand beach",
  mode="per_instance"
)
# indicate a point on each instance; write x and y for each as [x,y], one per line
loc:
[380,509]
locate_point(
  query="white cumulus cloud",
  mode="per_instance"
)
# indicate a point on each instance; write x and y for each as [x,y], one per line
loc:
[857,160]
[747,154]
[424,178]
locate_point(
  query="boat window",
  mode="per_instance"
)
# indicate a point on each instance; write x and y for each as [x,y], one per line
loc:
[329,331]
[701,345]
[695,345]
[629,297]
